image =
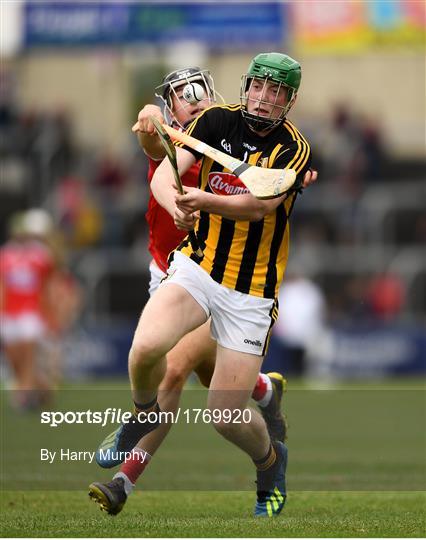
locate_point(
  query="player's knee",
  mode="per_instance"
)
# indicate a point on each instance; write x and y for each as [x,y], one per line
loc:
[175,378]
[226,429]
[144,351]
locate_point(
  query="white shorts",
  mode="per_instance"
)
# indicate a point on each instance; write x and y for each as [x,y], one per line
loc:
[239,321]
[157,275]
[25,327]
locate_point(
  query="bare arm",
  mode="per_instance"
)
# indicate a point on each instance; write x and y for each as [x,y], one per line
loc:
[237,207]
[146,134]
[162,182]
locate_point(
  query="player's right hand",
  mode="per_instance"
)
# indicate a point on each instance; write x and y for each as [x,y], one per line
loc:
[184,221]
[144,124]
[310,177]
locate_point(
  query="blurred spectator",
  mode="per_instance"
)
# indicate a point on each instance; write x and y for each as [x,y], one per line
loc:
[302,312]
[355,302]
[372,150]
[59,316]
[26,266]
[353,149]
[78,214]
[110,175]
[54,143]
[38,301]
[386,296]
[340,147]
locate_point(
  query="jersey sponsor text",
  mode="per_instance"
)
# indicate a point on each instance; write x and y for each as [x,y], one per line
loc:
[226,184]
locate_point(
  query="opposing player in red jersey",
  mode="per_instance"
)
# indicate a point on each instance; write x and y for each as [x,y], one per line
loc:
[26,266]
[196,351]
[163,235]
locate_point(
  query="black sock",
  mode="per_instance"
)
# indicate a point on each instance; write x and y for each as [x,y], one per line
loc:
[267,461]
[145,407]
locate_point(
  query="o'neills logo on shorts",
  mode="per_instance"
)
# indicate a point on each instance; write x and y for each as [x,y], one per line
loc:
[226,184]
[256,343]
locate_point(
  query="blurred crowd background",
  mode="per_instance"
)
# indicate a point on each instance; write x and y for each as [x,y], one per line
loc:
[74,76]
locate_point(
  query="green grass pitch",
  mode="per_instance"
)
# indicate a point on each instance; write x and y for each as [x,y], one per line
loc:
[356,469]
[215,514]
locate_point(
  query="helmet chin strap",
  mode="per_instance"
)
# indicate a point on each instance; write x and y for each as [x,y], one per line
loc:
[257,123]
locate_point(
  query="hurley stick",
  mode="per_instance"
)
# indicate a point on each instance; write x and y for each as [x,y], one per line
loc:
[170,149]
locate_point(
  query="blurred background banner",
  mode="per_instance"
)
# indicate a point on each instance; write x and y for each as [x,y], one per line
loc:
[355,352]
[349,27]
[220,26]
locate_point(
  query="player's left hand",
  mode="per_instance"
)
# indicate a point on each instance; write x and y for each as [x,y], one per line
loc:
[191,201]
[144,124]
[310,177]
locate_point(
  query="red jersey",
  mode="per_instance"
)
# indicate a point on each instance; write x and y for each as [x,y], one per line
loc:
[24,270]
[163,235]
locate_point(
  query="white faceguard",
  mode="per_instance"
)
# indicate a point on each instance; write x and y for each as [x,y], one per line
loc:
[180,78]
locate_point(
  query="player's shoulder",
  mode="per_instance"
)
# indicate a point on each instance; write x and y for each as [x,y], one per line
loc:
[220,110]
[214,118]
[226,109]
[293,133]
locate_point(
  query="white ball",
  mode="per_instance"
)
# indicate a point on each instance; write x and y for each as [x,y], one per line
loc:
[193,92]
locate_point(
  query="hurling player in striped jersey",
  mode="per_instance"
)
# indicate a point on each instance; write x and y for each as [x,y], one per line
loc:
[196,351]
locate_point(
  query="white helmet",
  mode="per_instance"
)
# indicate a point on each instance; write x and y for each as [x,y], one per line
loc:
[181,77]
[37,222]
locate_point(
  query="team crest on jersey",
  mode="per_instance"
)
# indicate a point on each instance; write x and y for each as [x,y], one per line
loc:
[226,184]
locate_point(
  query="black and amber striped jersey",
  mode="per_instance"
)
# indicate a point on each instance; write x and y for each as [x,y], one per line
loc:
[248,256]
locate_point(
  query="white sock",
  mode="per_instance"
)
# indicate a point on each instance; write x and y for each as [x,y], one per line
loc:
[268,395]
[128,486]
